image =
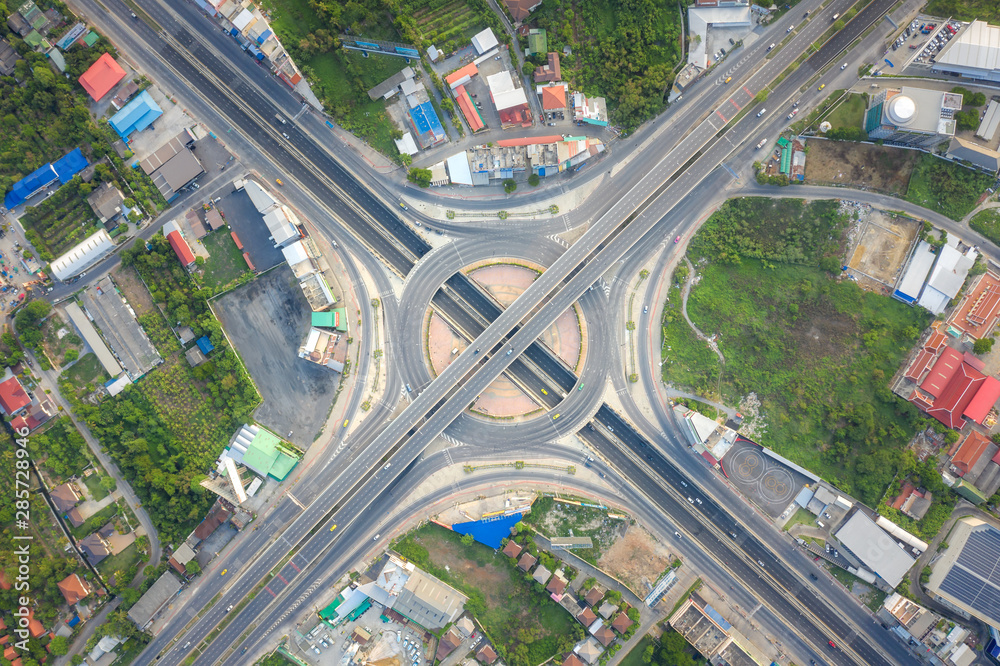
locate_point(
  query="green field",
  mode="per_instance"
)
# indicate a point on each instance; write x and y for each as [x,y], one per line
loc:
[448,24]
[987,222]
[850,112]
[97,491]
[945,187]
[118,565]
[61,221]
[86,371]
[225,262]
[525,626]
[965,10]
[817,352]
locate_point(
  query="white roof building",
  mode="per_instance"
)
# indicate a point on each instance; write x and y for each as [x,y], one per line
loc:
[908,288]
[298,259]
[990,123]
[484,41]
[260,197]
[875,548]
[459,170]
[93,339]
[83,256]
[505,95]
[946,279]
[973,53]
[282,223]
[406,145]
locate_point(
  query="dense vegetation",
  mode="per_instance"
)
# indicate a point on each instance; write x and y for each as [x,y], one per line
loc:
[60,449]
[965,10]
[818,352]
[167,429]
[987,222]
[945,187]
[624,50]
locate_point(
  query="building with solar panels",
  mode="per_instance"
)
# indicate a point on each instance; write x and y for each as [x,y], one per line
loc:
[967,576]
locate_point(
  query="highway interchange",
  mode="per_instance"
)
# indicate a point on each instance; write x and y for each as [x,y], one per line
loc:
[660,192]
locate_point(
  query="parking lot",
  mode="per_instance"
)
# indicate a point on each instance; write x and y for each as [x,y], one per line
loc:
[248,224]
[267,320]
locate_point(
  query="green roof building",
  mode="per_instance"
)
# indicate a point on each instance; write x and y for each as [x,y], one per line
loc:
[264,454]
[336,319]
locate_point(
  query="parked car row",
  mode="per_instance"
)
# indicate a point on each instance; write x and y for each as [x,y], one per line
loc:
[932,47]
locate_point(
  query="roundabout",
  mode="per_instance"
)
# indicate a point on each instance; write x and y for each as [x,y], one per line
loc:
[508,412]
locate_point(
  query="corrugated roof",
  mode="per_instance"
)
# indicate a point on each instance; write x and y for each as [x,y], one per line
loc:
[986,397]
[875,548]
[942,372]
[970,451]
[102,76]
[469,70]
[978,47]
[949,408]
[991,122]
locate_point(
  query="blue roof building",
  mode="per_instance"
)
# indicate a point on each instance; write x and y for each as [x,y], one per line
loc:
[62,170]
[136,116]
[427,125]
[204,344]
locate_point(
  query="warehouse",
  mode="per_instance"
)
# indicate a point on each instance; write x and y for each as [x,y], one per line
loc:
[117,320]
[150,604]
[82,256]
[875,548]
[973,53]
[135,116]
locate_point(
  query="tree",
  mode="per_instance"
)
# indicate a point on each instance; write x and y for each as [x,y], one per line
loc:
[76,660]
[533,180]
[982,346]
[839,25]
[59,646]
[421,177]
[509,185]
[71,356]
[468,539]
[108,483]
[192,567]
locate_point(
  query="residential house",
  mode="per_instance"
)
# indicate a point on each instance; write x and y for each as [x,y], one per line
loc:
[465,626]
[107,202]
[95,547]
[447,644]
[519,9]
[586,617]
[486,655]
[621,623]
[607,609]
[557,586]
[512,549]
[65,497]
[541,575]
[572,660]
[526,562]
[73,588]
[550,71]
[594,595]
[589,650]
[13,397]
[538,41]
[604,635]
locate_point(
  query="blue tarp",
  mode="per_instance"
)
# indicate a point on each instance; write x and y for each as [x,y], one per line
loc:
[426,121]
[264,35]
[73,621]
[491,531]
[69,165]
[204,344]
[136,116]
[29,185]
[234,32]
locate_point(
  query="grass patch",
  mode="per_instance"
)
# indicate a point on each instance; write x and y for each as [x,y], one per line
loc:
[801,517]
[553,519]
[987,222]
[634,657]
[448,23]
[120,563]
[97,491]
[946,187]
[225,262]
[524,625]
[85,374]
[849,113]
[817,352]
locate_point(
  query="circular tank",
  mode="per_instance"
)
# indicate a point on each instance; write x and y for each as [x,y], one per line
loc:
[901,109]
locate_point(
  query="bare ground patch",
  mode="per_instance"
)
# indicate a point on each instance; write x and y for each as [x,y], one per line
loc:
[636,559]
[134,290]
[877,168]
[490,579]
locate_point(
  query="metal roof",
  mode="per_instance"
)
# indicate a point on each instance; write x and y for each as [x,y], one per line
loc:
[968,575]
[977,47]
[875,548]
[991,122]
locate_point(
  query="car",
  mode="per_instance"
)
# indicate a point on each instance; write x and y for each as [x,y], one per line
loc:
[771,46]
[728,79]
[408,389]
[761,144]
[387,465]
[645,309]
[229,608]
[398,636]
[224,572]
[790,28]
[544,392]
[580,387]
[475,352]
[244,650]
[324,643]
[684,483]
[732,534]
[278,181]
[814,576]
[843,67]
[677,534]
[821,86]
[760,563]
[555,416]
[677,240]
[286,136]
[375,538]
[316,649]
[509,352]
[690,501]
[732,42]
[794,113]
[806,15]
[403,206]
[333,528]
[346,421]
[698,500]
[832,644]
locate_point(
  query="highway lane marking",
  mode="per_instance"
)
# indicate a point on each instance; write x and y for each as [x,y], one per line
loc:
[747,91]
[733,102]
[272,593]
[281,578]
[719,113]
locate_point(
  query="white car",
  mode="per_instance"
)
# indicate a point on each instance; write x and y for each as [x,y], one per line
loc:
[761,144]
[843,67]
[761,112]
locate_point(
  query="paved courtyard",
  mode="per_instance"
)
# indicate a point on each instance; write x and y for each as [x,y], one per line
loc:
[762,479]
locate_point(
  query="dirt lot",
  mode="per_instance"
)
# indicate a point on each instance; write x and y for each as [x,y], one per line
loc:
[491,579]
[636,559]
[879,244]
[873,167]
[134,290]
[555,519]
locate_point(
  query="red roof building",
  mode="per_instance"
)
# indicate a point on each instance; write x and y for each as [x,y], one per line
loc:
[13,398]
[950,407]
[519,9]
[181,248]
[515,115]
[968,454]
[512,549]
[469,110]
[919,365]
[102,76]
[73,588]
[984,400]
[942,372]
[978,311]
[550,71]
[621,623]
[554,98]
[455,78]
